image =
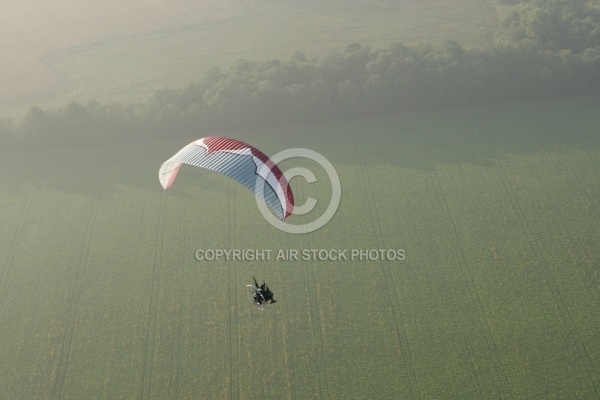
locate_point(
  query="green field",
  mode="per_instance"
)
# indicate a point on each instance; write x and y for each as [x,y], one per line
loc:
[496,208]
[62,50]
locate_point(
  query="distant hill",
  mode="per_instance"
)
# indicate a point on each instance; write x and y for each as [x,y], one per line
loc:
[54,51]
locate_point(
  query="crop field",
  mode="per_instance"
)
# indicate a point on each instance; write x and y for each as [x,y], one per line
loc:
[57,51]
[497,210]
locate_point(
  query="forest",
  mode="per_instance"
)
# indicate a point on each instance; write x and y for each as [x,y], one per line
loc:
[543,49]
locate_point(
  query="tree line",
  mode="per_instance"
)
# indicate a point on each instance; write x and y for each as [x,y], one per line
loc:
[545,48]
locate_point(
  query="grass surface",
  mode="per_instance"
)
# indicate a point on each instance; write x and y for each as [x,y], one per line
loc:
[496,208]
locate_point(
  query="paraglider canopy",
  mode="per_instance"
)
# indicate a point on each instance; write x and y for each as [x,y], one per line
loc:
[239,161]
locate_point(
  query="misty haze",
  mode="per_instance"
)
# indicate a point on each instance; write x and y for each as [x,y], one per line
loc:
[373,199]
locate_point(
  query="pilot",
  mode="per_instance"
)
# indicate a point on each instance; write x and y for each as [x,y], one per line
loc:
[263,292]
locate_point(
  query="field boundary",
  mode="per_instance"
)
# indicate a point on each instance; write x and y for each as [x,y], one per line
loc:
[76,290]
[152,325]
[401,332]
[465,270]
[235,380]
[435,261]
[322,378]
[10,257]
